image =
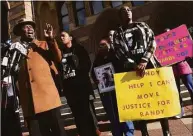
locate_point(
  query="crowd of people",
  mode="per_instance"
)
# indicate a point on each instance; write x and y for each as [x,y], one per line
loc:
[131,47]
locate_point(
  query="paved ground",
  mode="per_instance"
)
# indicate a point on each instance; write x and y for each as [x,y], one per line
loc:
[178,127]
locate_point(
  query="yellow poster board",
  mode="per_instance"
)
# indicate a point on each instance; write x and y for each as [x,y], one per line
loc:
[151,97]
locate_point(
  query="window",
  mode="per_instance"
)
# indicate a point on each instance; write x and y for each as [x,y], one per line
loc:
[116,3]
[65,17]
[80,12]
[97,6]
[138,3]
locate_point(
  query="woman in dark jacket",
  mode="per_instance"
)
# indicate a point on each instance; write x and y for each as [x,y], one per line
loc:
[108,99]
[76,82]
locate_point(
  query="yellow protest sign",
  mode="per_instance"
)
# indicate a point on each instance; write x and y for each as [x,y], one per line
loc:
[151,97]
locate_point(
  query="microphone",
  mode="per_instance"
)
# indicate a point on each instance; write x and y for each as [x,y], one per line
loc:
[5,52]
[19,51]
[13,58]
[11,61]
[18,47]
[7,44]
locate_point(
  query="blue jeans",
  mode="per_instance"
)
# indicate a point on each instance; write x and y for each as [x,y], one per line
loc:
[110,105]
[188,82]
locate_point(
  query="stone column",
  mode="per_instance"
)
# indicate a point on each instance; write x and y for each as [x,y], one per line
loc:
[128,3]
[107,4]
[72,23]
[18,10]
[87,8]
[70,11]
[28,9]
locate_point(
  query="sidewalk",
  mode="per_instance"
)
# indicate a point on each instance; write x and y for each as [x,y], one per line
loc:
[178,127]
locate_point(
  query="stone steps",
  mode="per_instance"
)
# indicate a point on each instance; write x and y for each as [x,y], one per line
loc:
[68,119]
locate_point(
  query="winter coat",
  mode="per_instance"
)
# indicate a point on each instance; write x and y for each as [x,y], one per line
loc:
[37,89]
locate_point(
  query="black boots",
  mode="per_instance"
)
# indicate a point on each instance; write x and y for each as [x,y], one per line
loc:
[143,128]
[165,127]
[164,123]
[166,133]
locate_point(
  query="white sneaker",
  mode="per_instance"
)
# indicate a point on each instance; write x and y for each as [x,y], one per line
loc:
[181,114]
[178,116]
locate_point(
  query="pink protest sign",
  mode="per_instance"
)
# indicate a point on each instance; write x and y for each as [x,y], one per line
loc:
[174,46]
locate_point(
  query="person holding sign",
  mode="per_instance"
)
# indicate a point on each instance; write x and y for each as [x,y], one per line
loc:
[134,46]
[108,99]
[183,71]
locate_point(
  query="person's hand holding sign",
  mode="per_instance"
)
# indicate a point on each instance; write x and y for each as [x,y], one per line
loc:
[140,69]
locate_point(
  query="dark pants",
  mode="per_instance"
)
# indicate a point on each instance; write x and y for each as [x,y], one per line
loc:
[188,82]
[10,121]
[50,123]
[164,123]
[110,105]
[93,112]
[80,108]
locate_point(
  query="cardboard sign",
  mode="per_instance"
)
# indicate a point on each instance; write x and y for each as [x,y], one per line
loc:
[174,46]
[151,97]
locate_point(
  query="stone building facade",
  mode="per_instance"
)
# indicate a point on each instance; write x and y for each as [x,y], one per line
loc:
[90,21]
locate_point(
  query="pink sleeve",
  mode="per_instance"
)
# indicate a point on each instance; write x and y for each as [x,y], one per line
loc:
[183,68]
